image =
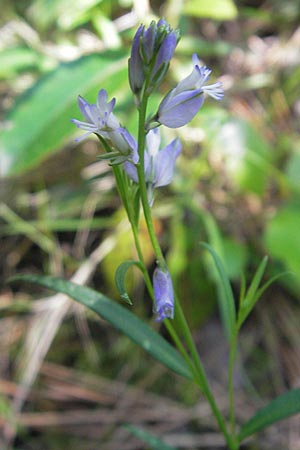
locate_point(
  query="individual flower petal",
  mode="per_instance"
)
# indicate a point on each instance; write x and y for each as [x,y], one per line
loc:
[163,295]
[135,64]
[164,163]
[177,110]
[165,53]
[148,43]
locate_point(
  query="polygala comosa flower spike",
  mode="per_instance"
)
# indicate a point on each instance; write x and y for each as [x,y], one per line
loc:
[163,295]
[101,121]
[159,163]
[183,102]
[151,52]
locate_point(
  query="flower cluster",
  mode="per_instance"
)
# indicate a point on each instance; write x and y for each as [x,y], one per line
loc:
[151,52]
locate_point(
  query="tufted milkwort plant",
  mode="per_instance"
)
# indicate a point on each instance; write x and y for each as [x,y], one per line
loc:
[141,164]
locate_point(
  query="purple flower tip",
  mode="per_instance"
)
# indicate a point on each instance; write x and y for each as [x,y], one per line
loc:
[163,295]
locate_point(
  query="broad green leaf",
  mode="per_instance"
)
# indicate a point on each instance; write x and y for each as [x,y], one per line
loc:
[118,316]
[278,409]
[39,123]
[227,304]
[213,9]
[120,278]
[282,236]
[63,13]
[189,45]
[246,154]
[154,442]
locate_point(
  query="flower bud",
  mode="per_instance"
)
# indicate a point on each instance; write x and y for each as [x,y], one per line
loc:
[163,295]
[151,52]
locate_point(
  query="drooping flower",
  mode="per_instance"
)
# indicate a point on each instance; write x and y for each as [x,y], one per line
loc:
[151,52]
[183,102]
[163,295]
[159,163]
[101,121]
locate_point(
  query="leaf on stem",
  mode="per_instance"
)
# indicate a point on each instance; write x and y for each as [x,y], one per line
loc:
[227,304]
[118,316]
[120,278]
[254,293]
[278,409]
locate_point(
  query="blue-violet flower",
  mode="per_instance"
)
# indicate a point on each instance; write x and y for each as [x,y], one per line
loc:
[163,295]
[159,163]
[99,117]
[101,121]
[183,102]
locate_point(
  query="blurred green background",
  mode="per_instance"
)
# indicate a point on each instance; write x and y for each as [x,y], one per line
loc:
[63,373]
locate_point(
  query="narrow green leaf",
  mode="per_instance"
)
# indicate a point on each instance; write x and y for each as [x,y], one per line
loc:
[120,278]
[278,409]
[256,281]
[154,442]
[227,299]
[39,123]
[118,316]
[271,281]
[251,297]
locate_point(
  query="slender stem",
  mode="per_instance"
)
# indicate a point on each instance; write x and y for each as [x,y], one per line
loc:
[142,183]
[201,378]
[232,354]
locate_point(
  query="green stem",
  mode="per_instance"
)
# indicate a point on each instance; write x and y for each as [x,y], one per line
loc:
[200,376]
[232,355]
[198,371]
[142,184]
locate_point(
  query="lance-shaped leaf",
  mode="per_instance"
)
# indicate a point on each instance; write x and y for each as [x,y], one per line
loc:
[278,409]
[227,305]
[118,316]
